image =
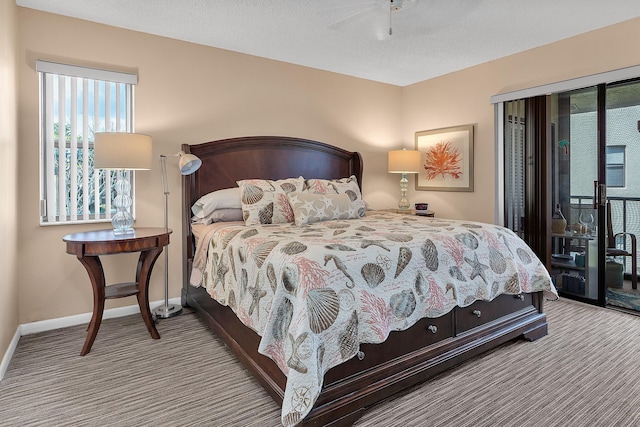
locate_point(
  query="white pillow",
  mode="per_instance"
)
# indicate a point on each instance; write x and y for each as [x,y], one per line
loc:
[313,207]
[219,215]
[228,198]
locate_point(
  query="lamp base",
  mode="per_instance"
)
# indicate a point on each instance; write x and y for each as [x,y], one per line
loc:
[123,231]
[403,204]
[167,311]
[122,219]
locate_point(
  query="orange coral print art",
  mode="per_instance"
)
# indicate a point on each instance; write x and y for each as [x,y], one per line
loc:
[443,160]
[446,157]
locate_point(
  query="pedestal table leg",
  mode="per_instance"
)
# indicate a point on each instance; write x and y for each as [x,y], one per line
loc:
[145,265]
[96,274]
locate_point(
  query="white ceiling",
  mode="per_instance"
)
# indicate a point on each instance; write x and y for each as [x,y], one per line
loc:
[430,37]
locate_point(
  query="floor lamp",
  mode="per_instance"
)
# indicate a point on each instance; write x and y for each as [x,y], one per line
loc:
[188,164]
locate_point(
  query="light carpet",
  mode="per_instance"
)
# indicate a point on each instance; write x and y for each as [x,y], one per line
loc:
[586,372]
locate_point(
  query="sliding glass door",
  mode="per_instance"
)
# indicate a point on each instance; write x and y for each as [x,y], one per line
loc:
[575,176]
[572,187]
[622,168]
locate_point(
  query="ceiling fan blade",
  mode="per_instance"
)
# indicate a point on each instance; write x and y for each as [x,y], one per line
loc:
[357,5]
[354,16]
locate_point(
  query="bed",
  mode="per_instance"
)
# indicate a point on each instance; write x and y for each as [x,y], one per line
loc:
[329,360]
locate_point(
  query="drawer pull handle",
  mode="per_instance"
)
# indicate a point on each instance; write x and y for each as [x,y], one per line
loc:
[433,329]
[519,296]
[360,355]
[477,313]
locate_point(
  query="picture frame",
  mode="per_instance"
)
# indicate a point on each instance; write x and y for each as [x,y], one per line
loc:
[446,159]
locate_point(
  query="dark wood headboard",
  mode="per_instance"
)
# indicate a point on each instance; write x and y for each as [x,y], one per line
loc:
[262,157]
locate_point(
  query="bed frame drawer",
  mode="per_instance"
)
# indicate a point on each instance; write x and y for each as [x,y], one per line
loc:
[482,312]
[424,333]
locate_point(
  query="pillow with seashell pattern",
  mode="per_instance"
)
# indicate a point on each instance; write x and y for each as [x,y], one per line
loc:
[313,207]
[265,201]
[347,186]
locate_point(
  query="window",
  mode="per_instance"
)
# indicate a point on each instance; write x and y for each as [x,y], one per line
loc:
[75,103]
[615,166]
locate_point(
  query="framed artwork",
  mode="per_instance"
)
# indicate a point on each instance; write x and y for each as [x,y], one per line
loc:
[446,157]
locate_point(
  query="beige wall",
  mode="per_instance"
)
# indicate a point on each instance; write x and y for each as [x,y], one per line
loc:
[8,182]
[463,98]
[187,93]
[190,93]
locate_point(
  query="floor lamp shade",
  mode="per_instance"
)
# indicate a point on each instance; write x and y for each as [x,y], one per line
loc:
[188,163]
[122,152]
[404,162]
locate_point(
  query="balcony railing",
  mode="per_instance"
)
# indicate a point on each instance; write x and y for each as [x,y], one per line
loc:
[625,217]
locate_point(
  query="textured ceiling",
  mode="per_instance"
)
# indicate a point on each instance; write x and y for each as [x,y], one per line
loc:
[430,37]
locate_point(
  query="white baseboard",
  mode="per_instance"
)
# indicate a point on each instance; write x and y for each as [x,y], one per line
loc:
[63,322]
[9,353]
[79,319]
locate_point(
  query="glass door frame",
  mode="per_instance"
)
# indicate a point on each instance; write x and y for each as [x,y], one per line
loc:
[600,190]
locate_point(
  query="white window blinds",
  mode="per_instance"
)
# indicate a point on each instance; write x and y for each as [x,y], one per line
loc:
[514,165]
[76,102]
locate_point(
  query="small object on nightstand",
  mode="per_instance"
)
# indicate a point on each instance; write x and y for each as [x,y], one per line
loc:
[422,208]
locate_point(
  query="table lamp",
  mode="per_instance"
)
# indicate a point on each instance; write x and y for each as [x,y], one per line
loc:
[404,162]
[122,152]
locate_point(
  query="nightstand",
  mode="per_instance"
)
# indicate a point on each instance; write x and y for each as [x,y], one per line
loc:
[88,247]
[409,212]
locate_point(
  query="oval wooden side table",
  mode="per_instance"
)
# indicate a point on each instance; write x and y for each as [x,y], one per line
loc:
[90,245]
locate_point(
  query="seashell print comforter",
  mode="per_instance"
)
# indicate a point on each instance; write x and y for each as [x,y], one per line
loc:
[314,293]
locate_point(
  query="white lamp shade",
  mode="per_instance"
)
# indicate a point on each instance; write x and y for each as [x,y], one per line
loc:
[122,150]
[404,161]
[189,163]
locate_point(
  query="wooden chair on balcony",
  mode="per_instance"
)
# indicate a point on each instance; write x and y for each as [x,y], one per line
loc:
[615,251]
